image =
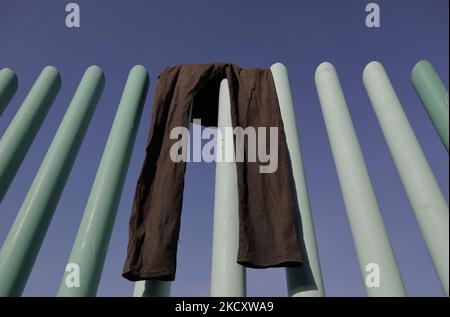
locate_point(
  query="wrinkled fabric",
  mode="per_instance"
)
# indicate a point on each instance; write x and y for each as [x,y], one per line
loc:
[267,202]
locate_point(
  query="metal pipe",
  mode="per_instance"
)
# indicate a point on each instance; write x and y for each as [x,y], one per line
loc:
[228,278]
[377,261]
[21,132]
[425,196]
[25,238]
[305,280]
[153,288]
[8,87]
[434,97]
[91,244]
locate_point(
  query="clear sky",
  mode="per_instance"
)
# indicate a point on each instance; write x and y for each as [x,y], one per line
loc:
[255,33]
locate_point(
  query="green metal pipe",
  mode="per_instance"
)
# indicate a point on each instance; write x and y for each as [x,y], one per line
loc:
[21,132]
[152,288]
[91,244]
[434,97]
[8,87]
[426,198]
[306,280]
[228,278]
[366,223]
[24,240]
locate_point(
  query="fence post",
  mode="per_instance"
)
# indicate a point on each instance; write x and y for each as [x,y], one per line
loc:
[20,249]
[228,278]
[307,279]
[21,132]
[434,97]
[369,233]
[153,288]
[425,196]
[92,240]
[8,87]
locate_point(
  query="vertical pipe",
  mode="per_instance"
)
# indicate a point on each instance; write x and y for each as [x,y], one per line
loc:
[227,276]
[153,288]
[91,244]
[307,279]
[434,97]
[24,240]
[369,233]
[425,196]
[21,132]
[8,87]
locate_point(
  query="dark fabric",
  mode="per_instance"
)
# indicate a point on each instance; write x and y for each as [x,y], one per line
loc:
[267,202]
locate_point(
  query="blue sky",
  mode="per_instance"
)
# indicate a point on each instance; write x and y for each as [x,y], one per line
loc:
[254,33]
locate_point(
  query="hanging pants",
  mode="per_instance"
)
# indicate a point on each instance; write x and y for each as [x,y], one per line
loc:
[267,201]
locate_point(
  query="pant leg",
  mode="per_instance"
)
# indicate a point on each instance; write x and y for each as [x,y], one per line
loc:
[267,201]
[155,218]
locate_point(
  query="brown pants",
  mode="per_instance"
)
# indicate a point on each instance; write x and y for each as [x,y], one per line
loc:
[267,202]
